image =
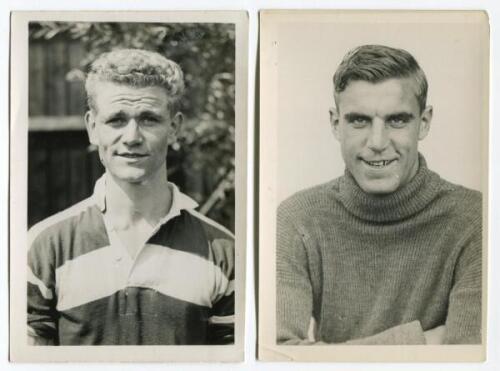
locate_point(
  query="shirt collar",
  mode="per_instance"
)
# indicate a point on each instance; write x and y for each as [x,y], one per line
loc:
[180,201]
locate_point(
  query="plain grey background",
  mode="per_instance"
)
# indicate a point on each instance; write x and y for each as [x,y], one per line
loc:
[447,50]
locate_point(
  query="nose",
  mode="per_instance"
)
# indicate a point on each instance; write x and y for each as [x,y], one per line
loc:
[132,133]
[378,138]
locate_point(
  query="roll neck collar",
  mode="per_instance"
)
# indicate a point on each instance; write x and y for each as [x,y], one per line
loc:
[401,204]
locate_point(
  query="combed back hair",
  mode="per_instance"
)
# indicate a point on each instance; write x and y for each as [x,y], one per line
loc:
[136,67]
[376,63]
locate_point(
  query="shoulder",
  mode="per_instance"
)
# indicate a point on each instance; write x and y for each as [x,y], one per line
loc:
[464,198]
[62,223]
[220,243]
[213,229]
[464,204]
[309,200]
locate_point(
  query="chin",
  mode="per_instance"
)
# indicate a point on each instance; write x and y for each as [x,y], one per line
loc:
[130,177]
[379,187]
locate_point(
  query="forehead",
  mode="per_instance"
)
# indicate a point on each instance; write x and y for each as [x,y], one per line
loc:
[385,96]
[110,96]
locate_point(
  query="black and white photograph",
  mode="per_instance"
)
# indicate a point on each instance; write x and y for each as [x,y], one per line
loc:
[373,185]
[129,144]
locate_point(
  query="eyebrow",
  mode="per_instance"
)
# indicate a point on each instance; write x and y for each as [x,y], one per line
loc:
[144,114]
[147,114]
[351,116]
[405,116]
[118,114]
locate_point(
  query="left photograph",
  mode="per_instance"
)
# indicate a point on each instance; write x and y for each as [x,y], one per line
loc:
[128,137]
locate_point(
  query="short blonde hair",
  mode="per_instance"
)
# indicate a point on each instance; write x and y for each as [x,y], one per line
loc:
[136,67]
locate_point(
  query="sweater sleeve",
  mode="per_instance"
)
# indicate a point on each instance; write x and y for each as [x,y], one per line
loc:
[294,298]
[463,322]
[42,313]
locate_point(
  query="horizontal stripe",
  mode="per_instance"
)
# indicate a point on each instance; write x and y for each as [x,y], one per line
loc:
[44,290]
[219,320]
[137,316]
[171,272]
[74,210]
[89,277]
[179,275]
[209,221]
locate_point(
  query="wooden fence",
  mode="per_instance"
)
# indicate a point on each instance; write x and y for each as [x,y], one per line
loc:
[61,168]
[52,92]
[61,171]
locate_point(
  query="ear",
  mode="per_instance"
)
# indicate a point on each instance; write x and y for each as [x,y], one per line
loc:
[90,124]
[334,122]
[175,125]
[425,122]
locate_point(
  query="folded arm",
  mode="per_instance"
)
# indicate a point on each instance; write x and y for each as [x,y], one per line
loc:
[463,322]
[294,294]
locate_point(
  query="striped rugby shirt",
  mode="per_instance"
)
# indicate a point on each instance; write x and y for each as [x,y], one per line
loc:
[85,289]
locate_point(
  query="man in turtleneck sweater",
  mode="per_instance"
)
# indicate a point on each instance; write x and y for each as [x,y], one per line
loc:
[388,253]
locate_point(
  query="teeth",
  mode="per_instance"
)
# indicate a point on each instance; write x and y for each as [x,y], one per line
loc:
[378,163]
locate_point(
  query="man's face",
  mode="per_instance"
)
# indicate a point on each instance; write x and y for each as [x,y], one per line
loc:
[378,126]
[132,127]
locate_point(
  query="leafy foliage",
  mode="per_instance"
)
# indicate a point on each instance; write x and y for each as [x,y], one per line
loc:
[206,52]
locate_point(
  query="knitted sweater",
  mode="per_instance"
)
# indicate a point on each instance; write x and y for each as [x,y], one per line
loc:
[373,269]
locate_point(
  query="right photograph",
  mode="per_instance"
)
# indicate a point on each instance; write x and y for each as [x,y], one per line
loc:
[373,185]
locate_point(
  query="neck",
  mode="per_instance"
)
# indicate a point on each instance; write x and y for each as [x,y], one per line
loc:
[404,202]
[128,202]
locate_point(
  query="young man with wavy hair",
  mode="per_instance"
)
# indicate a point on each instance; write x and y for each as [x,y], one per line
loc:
[388,253]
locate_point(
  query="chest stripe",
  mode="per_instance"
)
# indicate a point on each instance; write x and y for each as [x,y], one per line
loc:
[171,272]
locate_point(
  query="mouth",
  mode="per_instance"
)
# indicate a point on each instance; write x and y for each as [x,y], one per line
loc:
[132,155]
[380,164]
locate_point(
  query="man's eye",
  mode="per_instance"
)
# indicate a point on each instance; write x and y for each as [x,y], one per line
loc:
[115,121]
[397,122]
[150,120]
[359,122]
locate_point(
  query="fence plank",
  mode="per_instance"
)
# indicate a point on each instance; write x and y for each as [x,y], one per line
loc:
[55,83]
[78,184]
[38,199]
[36,89]
[76,97]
